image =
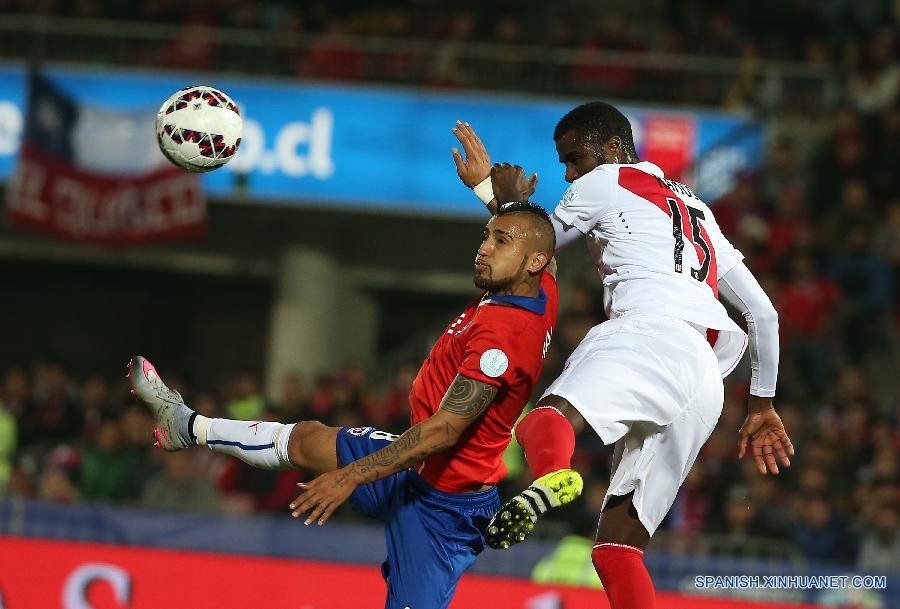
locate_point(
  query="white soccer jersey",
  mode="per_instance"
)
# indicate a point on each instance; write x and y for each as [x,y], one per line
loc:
[657,247]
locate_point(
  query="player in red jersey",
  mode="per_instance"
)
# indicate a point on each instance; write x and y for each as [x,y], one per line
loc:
[433,486]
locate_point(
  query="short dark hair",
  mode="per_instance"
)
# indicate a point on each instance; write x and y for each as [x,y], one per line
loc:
[596,123]
[538,212]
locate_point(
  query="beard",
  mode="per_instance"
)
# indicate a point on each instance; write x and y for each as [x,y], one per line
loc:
[489,284]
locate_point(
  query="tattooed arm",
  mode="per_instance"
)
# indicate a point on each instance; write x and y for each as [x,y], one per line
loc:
[465,401]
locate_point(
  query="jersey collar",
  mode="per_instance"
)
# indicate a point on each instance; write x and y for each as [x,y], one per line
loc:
[530,303]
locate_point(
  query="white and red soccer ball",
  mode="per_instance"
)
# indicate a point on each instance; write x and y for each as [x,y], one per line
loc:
[199,128]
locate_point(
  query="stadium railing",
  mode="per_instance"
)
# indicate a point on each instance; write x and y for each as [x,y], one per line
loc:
[644,76]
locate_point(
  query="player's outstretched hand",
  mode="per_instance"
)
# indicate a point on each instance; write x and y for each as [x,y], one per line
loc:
[476,166]
[510,183]
[763,432]
[322,496]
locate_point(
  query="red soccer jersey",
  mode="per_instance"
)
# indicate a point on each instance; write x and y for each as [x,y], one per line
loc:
[500,340]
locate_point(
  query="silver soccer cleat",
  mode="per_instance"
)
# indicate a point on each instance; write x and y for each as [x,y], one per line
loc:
[171,415]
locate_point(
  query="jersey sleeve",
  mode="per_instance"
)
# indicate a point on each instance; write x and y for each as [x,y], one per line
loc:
[740,289]
[493,354]
[727,256]
[582,205]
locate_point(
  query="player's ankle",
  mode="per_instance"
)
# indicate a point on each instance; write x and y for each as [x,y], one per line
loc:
[198,425]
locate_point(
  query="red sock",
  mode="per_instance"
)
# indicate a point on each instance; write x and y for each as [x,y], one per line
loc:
[548,439]
[623,573]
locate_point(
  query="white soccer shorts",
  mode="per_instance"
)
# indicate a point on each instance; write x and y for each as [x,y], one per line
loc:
[651,385]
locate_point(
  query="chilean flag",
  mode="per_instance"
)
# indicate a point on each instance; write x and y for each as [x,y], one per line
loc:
[95,176]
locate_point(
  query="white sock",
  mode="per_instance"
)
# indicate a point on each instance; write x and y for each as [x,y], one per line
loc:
[262,444]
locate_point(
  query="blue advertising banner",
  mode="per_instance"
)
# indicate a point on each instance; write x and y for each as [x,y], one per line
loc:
[370,147]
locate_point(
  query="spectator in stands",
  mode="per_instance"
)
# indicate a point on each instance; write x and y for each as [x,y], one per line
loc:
[888,244]
[109,467]
[742,518]
[875,83]
[189,50]
[842,156]
[690,511]
[95,404]
[321,401]
[15,391]
[293,404]
[720,37]
[137,426]
[335,57]
[178,487]
[57,480]
[589,74]
[246,490]
[854,210]
[510,69]
[806,307]
[54,416]
[821,533]
[450,66]
[886,157]
[788,225]
[784,169]
[8,438]
[867,285]
[248,403]
[880,548]
[772,512]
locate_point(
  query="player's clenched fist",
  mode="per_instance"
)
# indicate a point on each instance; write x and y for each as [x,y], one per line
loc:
[510,183]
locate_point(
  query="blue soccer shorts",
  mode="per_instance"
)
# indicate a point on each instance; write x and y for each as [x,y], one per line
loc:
[432,536]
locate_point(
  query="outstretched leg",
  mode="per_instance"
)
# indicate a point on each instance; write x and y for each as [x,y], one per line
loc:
[547,435]
[618,556]
[263,444]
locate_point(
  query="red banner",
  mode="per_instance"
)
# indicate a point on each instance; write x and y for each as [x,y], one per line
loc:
[38,574]
[669,141]
[59,199]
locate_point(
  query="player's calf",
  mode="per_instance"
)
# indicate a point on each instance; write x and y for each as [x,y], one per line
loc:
[517,517]
[313,446]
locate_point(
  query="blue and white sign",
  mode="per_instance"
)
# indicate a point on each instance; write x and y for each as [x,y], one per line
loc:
[390,149]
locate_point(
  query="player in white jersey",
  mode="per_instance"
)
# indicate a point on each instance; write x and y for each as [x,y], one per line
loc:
[649,379]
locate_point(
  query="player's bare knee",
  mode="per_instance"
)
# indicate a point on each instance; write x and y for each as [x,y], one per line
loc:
[305,438]
[565,407]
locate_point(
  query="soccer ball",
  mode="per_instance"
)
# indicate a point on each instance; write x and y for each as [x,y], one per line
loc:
[199,128]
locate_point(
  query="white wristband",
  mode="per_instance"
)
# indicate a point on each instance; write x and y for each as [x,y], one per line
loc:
[484,191]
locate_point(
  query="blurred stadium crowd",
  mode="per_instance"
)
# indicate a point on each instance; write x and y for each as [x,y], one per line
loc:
[819,225]
[796,30]
[552,47]
[66,439]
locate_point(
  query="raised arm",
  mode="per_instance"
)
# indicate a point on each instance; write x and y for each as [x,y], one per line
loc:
[465,401]
[476,172]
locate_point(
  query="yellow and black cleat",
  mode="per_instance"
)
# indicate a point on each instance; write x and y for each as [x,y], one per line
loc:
[516,519]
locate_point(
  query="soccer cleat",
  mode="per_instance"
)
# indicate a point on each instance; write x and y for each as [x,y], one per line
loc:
[171,416]
[516,519]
